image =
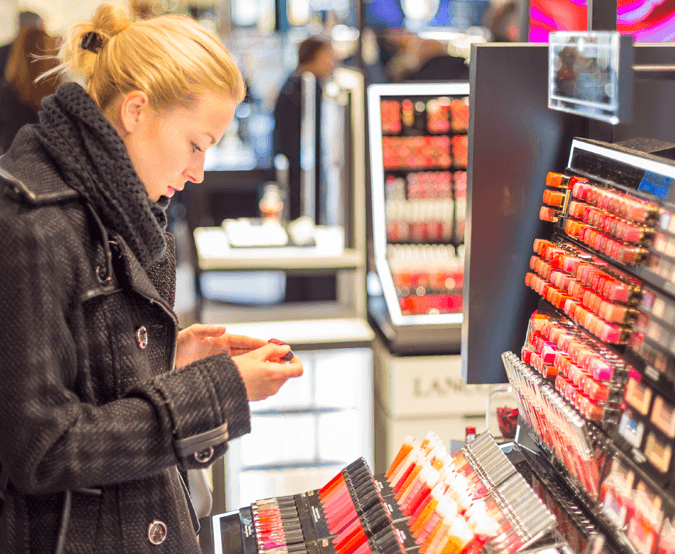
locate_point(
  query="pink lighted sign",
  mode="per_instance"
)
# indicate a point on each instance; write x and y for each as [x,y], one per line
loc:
[646,20]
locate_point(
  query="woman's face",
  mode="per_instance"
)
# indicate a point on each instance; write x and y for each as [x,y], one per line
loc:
[167,148]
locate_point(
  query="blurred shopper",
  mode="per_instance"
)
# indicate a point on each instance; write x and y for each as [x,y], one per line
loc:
[104,399]
[403,50]
[26,19]
[436,64]
[315,55]
[502,18]
[20,95]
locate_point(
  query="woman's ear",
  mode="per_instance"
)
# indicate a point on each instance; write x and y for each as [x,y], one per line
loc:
[133,109]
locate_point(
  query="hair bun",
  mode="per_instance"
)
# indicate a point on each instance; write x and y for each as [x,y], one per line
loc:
[86,40]
[109,20]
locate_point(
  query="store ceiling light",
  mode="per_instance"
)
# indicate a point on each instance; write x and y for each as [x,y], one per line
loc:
[420,10]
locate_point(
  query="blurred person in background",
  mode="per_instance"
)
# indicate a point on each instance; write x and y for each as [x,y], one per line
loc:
[502,19]
[315,56]
[402,48]
[20,95]
[26,19]
[436,64]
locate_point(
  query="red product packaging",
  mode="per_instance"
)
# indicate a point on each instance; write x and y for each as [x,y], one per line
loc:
[548,352]
[548,214]
[598,392]
[554,198]
[610,333]
[591,410]
[526,355]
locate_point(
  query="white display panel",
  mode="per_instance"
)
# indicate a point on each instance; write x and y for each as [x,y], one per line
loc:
[381,172]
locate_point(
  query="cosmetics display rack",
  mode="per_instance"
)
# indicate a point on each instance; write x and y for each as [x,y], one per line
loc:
[418,144]
[595,379]
[427,501]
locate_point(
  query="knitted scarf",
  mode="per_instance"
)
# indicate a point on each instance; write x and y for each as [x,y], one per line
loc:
[94,161]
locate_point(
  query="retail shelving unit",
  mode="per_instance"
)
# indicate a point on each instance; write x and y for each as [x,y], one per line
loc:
[599,352]
[571,310]
[418,138]
[418,159]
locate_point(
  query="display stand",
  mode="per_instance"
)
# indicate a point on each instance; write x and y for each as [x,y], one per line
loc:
[600,464]
[595,375]
[418,159]
[358,511]
[418,152]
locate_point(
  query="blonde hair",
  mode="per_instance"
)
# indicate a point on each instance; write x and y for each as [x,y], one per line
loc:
[31,55]
[171,58]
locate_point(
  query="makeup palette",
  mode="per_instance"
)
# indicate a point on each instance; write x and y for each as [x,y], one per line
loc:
[647,426]
[637,506]
[656,312]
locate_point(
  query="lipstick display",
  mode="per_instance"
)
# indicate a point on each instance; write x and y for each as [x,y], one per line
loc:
[428,502]
[595,379]
[421,203]
[419,153]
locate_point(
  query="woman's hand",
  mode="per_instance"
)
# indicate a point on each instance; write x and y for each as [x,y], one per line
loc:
[201,341]
[263,373]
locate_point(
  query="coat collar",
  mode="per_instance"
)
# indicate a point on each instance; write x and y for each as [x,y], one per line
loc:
[137,278]
[30,172]
[28,169]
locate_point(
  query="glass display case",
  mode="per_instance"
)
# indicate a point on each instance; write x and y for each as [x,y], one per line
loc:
[418,152]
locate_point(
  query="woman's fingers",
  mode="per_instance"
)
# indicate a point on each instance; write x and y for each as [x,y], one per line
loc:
[263,372]
[244,342]
[201,330]
[292,369]
[272,352]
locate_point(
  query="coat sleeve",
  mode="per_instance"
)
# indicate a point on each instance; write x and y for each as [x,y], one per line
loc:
[50,439]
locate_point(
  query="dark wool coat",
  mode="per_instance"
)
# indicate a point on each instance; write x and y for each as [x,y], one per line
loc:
[87,401]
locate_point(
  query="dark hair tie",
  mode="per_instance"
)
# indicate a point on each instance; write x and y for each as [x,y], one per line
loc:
[91,41]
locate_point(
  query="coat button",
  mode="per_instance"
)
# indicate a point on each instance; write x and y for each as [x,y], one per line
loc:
[142,337]
[102,275]
[204,456]
[157,532]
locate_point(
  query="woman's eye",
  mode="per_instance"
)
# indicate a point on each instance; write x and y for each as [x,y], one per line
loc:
[195,147]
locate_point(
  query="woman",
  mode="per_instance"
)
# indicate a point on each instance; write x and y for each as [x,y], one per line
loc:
[20,96]
[103,400]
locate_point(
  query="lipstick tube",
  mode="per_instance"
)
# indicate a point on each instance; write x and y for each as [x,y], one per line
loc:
[446,510]
[408,444]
